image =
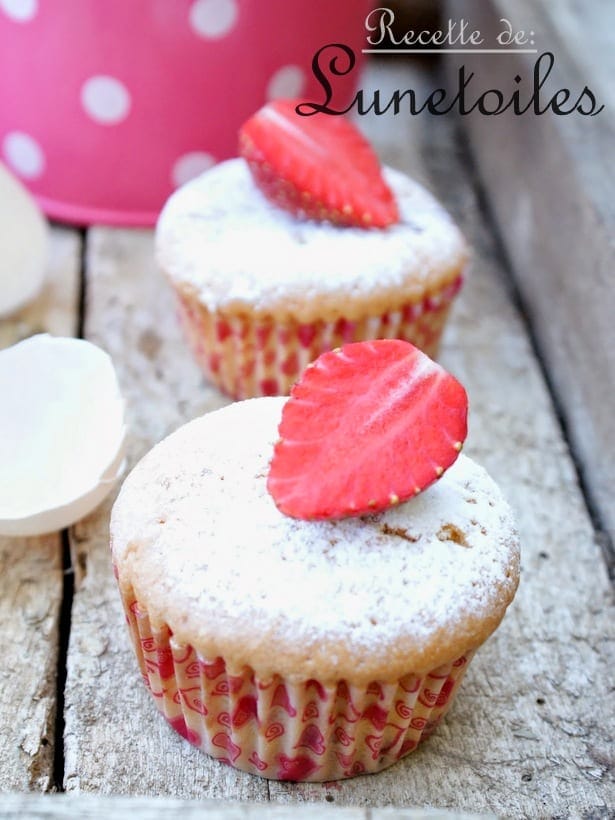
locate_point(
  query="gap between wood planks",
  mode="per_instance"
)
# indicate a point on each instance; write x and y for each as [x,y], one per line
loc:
[68,573]
[68,589]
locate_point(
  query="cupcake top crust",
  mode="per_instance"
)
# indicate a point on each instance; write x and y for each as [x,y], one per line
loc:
[219,238]
[200,543]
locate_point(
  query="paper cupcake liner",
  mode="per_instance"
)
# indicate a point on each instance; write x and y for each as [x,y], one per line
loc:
[307,731]
[246,358]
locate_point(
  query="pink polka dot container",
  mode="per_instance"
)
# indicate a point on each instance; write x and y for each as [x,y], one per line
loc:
[113,105]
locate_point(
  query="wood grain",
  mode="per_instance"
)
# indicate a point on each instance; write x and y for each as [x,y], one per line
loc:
[31,571]
[114,742]
[529,734]
[551,181]
[90,807]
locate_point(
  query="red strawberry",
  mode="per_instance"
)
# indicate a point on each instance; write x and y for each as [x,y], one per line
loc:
[366,426]
[320,167]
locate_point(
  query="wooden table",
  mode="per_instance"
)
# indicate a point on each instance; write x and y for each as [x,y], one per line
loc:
[531,732]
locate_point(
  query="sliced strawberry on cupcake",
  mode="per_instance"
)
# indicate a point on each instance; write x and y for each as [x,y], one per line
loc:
[318,167]
[366,427]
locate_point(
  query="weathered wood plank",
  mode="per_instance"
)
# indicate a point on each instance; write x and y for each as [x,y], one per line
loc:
[31,571]
[114,741]
[89,807]
[551,183]
[531,732]
[585,31]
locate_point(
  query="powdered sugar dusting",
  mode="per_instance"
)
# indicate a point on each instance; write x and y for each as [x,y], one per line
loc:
[221,236]
[198,511]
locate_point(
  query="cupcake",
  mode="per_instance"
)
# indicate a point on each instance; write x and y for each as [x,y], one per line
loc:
[301,245]
[316,647]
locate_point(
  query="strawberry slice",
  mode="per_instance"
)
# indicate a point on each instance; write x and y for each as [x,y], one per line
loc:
[319,167]
[367,426]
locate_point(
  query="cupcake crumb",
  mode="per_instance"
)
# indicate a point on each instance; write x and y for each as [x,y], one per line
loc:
[400,532]
[449,532]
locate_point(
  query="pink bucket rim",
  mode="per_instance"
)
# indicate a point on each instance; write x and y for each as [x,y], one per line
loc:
[87,215]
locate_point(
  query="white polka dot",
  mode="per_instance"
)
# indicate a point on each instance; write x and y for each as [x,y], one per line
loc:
[189,166]
[213,18]
[287,81]
[19,10]
[23,154]
[105,99]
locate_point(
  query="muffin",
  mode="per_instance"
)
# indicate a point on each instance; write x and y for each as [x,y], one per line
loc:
[293,649]
[263,291]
